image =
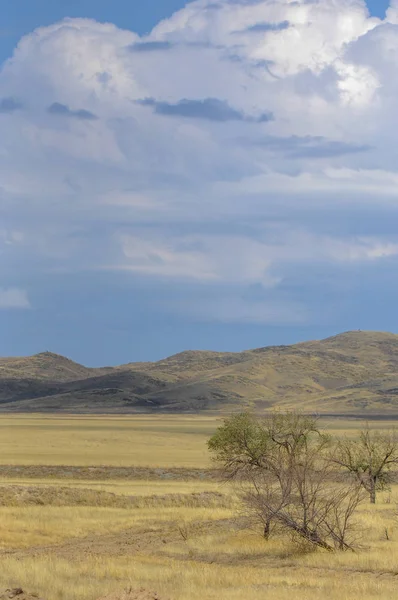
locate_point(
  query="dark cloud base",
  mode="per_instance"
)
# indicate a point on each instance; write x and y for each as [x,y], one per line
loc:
[62,110]
[9,105]
[209,109]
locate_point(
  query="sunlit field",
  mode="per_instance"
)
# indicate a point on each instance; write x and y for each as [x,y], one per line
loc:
[185,537]
[115,441]
[142,441]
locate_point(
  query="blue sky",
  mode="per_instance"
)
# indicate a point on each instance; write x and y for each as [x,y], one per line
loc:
[216,175]
[20,17]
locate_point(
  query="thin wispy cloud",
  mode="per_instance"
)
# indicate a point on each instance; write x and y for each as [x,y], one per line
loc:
[315,147]
[13,298]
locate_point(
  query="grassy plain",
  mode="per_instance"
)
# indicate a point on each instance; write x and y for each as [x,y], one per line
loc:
[169,441]
[185,551]
[142,441]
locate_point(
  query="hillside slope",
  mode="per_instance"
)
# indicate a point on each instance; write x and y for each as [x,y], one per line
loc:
[352,373]
[45,366]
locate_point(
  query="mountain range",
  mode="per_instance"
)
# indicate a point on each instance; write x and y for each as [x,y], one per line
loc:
[352,373]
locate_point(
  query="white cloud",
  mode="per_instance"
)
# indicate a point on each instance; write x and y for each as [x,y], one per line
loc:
[229,260]
[315,37]
[13,298]
[392,12]
[160,163]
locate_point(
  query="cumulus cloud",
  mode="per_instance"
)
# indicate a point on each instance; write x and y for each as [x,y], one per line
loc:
[13,298]
[316,37]
[156,188]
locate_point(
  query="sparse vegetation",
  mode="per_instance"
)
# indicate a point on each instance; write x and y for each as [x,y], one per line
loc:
[83,532]
[286,468]
[370,458]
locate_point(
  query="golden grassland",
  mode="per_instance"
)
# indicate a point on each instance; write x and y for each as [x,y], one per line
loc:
[186,551]
[226,564]
[176,441]
[27,526]
[141,441]
[122,487]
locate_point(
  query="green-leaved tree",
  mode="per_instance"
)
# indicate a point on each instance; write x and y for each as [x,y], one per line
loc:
[283,465]
[370,458]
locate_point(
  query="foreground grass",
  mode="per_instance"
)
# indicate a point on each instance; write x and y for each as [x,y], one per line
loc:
[236,565]
[179,580]
[227,562]
[32,526]
[24,527]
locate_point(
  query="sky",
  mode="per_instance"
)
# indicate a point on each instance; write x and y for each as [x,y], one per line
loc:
[218,174]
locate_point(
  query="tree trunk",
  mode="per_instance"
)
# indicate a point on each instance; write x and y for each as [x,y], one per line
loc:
[372,490]
[311,536]
[267,530]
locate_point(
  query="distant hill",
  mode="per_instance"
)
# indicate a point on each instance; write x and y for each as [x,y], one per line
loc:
[352,373]
[45,366]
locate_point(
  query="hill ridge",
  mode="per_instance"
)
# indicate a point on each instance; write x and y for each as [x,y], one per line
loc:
[351,372]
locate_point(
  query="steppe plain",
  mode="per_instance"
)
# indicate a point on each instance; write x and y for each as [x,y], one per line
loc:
[91,505]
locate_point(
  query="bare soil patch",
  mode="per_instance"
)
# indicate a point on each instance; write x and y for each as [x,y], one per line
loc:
[17,594]
[139,594]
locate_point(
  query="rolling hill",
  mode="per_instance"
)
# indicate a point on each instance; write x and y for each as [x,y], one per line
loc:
[352,373]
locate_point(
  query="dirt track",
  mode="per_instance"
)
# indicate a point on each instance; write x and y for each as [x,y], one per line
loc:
[124,543]
[134,595]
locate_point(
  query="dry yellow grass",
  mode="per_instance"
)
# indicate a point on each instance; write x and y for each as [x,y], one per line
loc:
[197,561]
[29,526]
[124,487]
[24,527]
[142,441]
[191,580]
[223,564]
[121,441]
[237,565]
